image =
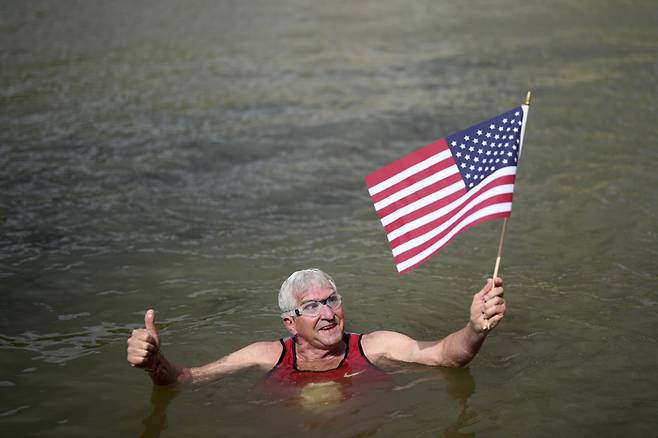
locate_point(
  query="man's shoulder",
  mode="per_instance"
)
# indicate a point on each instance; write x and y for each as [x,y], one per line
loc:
[265,353]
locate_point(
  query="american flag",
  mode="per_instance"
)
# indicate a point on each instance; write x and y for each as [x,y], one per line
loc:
[426,198]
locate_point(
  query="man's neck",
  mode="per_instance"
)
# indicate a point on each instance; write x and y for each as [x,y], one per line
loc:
[310,356]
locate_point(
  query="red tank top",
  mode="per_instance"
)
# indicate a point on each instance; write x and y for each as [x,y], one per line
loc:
[355,366]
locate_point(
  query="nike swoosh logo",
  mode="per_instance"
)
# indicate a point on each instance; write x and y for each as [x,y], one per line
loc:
[353,374]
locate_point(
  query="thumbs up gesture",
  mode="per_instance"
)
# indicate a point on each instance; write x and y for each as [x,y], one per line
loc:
[144,344]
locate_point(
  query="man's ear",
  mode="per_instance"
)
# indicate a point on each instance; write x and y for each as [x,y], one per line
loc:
[289,324]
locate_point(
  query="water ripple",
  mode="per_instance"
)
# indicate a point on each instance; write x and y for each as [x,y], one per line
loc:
[60,348]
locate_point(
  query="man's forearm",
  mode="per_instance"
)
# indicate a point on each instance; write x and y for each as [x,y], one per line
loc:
[460,347]
[165,372]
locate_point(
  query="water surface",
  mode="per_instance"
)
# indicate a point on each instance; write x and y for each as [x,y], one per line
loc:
[189,156]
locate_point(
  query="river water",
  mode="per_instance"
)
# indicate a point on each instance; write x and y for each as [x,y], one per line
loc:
[188,156]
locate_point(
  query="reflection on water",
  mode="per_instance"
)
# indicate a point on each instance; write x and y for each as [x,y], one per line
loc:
[321,396]
[156,422]
[60,348]
[461,386]
[327,409]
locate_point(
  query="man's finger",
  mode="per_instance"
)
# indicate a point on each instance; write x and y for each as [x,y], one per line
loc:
[137,354]
[495,292]
[494,320]
[144,345]
[493,302]
[496,309]
[149,323]
[140,335]
[492,311]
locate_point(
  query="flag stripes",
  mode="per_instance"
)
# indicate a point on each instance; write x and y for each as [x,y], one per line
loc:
[422,230]
[493,212]
[435,221]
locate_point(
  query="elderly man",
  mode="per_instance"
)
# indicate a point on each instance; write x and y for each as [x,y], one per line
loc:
[319,348]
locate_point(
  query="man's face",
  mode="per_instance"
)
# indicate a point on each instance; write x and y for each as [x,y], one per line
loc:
[322,331]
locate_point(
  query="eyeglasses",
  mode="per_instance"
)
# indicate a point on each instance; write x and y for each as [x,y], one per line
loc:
[313,308]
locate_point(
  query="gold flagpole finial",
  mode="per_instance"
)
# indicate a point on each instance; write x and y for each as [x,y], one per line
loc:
[528,98]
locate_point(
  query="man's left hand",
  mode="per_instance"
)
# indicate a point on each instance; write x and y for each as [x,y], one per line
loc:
[488,306]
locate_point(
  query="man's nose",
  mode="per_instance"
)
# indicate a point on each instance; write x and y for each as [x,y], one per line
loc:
[326,312]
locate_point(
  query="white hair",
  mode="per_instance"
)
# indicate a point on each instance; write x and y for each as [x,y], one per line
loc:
[300,281]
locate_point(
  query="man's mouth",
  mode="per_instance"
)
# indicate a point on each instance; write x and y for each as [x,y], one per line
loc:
[329,326]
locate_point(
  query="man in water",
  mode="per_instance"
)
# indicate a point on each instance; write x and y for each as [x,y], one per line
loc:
[319,349]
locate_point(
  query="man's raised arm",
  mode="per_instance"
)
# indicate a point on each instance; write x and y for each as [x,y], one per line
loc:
[144,352]
[456,349]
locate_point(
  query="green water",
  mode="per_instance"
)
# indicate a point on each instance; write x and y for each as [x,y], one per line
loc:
[188,156]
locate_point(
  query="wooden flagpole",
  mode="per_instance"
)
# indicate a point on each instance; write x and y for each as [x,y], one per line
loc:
[503,231]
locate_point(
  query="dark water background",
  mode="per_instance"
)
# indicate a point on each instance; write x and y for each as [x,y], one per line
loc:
[188,156]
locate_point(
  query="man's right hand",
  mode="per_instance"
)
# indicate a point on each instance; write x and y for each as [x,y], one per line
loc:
[144,344]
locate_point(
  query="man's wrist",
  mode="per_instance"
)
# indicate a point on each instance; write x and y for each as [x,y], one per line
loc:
[163,372]
[154,363]
[476,329]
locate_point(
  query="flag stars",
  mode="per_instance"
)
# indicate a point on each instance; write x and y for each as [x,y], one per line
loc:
[485,148]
